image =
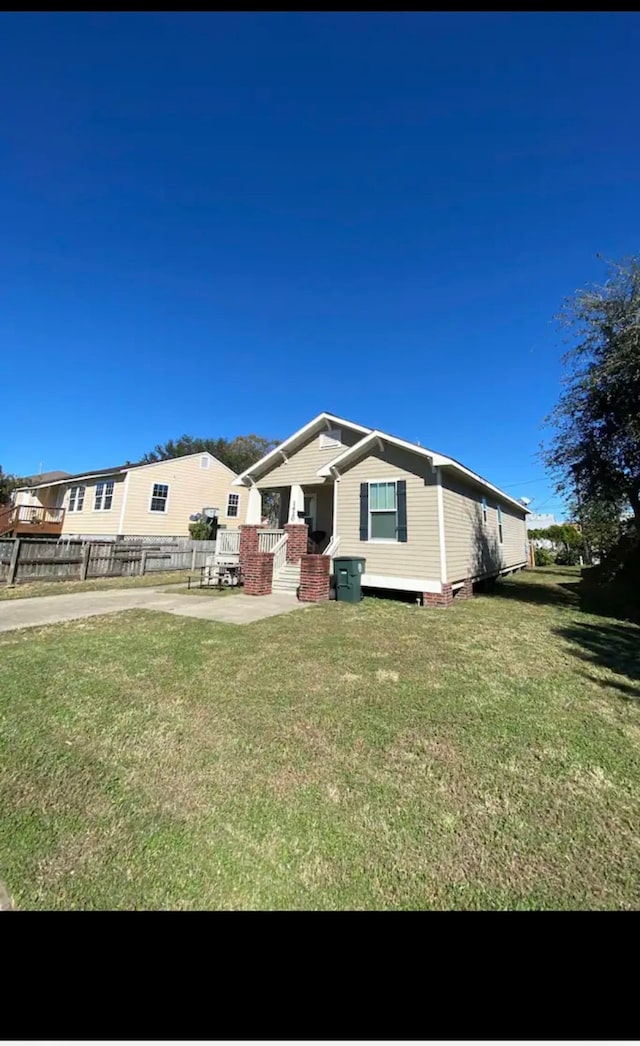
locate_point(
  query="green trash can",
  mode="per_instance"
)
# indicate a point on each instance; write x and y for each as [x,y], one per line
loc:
[348,571]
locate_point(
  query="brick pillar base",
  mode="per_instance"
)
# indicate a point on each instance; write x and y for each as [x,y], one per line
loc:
[439,599]
[248,540]
[257,573]
[314,578]
[297,541]
[466,592]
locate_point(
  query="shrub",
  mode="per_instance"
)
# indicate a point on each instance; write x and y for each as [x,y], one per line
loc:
[200,531]
[568,557]
[543,557]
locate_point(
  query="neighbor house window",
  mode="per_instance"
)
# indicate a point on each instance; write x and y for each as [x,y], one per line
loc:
[500,524]
[233,504]
[383,511]
[484,510]
[204,461]
[76,499]
[159,496]
[332,438]
[104,496]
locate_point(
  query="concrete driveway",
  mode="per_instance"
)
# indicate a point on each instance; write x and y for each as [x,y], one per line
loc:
[233,609]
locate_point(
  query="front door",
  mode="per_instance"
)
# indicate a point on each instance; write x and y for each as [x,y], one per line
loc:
[310,511]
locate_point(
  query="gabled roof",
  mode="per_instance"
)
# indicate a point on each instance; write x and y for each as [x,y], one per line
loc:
[370,438]
[118,470]
[323,420]
[437,460]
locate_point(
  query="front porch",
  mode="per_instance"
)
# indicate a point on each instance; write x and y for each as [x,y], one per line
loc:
[311,504]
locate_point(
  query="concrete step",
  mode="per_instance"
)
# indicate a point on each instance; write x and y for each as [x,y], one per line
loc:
[282,585]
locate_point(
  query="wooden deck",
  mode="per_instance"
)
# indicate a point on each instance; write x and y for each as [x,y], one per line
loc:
[30,521]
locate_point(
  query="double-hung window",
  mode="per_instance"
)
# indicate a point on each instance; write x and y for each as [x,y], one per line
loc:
[484,510]
[76,499]
[499,524]
[233,503]
[383,511]
[104,496]
[159,497]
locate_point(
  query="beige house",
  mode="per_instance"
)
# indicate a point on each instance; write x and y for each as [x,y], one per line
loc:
[423,522]
[131,500]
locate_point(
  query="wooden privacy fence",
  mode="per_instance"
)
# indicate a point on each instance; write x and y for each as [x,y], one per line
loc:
[22,560]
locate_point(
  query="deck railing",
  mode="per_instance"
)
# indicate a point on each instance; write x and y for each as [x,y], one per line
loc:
[40,517]
[228,543]
[268,539]
[37,514]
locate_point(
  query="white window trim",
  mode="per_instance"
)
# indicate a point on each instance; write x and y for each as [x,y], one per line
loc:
[78,486]
[233,494]
[382,541]
[155,511]
[484,505]
[103,483]
[205,461]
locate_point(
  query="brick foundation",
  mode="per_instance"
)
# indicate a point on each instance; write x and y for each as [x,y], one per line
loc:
[257,573]
[466,592]
[439,599]
[297,541]
[314,578]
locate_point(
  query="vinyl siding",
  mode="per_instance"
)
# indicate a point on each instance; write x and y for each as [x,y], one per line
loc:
[191,488]
[43,496]
[88,521]
[472,547]
[304,462]
[419,556]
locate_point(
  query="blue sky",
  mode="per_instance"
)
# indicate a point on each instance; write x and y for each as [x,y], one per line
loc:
[225,223]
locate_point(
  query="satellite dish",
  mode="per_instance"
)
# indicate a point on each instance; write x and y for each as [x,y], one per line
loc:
[194,517]
[525,501]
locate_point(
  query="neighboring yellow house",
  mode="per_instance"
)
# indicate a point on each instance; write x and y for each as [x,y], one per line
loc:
[132,500]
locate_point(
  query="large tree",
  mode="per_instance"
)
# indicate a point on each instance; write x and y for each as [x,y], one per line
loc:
[237,454]
[594,454]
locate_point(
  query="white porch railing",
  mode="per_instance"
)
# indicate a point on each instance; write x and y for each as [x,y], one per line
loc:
[268,539]
[280,554]
[332,548]
[228,543]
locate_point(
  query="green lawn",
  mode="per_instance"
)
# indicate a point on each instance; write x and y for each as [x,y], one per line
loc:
[368,756]
[65,588]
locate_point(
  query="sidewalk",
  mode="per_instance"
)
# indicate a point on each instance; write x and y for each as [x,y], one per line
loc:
[232,609]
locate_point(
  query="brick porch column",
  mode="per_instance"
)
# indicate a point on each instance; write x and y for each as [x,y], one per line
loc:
[439,599]
[248,540]
[257,573]
[314,578]
[297,541]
